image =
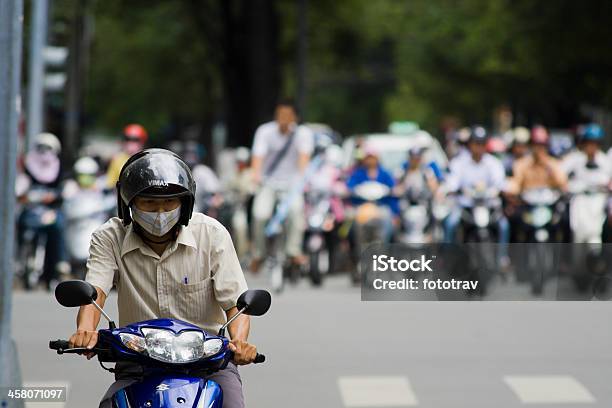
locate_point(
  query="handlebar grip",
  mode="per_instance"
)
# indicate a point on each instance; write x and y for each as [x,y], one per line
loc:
[59,344]
[259,358]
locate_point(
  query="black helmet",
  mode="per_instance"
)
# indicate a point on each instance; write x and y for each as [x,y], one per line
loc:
[155,173]
[478,134]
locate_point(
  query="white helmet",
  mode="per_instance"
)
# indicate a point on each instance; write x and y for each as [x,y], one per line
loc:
[86,165]
[242,154]
[50,141]
[520,135]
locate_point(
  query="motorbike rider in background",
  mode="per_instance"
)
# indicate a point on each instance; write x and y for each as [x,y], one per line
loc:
[477,170]
[242,180]
[518,140]
[134,139]
[589,172]
[519,147]
[459,147]
[209,198]
[589,158]
[85,178]
[242,190]
[43,171]
[539,169]
[419,178]
[371,170]
[328,177]
[281,151]
[86,207]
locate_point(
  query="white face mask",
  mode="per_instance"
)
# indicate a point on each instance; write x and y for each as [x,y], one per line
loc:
[156,223]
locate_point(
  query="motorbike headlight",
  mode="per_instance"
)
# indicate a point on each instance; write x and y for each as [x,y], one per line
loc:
[134,342]
[164,345]
[212,347]
[481,216]
[541,216]
[315,220]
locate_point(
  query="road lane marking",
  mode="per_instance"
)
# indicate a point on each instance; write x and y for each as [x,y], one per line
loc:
[39,384]
[376,391]
[552,389]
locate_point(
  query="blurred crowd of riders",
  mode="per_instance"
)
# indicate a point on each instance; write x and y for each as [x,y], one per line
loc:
[297,203]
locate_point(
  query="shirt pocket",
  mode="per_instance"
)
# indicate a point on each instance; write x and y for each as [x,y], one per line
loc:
[194,301]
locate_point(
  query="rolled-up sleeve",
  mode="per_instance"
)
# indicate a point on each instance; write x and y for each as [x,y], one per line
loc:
[101,264]
[227,275]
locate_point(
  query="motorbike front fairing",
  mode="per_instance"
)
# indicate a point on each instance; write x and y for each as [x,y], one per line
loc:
[170,391]
[164,384]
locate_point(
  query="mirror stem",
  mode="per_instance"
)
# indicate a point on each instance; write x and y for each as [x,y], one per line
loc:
[222,329]
[111,324]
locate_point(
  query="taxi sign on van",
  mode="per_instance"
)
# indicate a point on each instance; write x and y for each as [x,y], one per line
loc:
[403,128]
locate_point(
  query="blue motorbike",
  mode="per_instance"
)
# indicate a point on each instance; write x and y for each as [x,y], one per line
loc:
[173,354]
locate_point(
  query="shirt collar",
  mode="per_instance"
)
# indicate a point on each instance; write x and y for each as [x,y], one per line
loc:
[186,237]
[132,241]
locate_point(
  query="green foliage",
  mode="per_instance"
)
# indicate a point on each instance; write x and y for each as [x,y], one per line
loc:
[148,65]
[369,61]
[466,57]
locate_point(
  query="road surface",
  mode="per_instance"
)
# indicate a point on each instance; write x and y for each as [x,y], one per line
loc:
[327,348]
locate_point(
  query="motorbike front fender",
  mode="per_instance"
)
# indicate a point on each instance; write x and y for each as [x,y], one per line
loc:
[164,392]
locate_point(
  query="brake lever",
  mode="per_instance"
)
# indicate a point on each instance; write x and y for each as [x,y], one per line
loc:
[82,350]
[73,350]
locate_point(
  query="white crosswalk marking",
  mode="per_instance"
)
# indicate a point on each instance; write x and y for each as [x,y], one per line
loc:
[376,391]
[46,384]
[555,389]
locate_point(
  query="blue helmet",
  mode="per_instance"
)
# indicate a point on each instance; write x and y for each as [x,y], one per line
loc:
[592,132]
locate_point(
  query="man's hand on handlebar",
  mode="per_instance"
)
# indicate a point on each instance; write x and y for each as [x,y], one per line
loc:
[244,353]
[85,338]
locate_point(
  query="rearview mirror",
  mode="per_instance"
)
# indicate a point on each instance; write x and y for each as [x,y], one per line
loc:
[255,302]
[74,293]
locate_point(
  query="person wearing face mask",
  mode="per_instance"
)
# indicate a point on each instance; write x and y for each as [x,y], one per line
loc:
[166,261]
[41,200]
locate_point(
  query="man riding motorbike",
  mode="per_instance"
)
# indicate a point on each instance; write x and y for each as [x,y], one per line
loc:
[86,207]
[42,199]
[281,151]
[476,170]
[539,169]
[165,261]
[419,176]
[240,186]
[537,189]
[417,186]
[519,147]
[371,171]
[589,172]
[590,158]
